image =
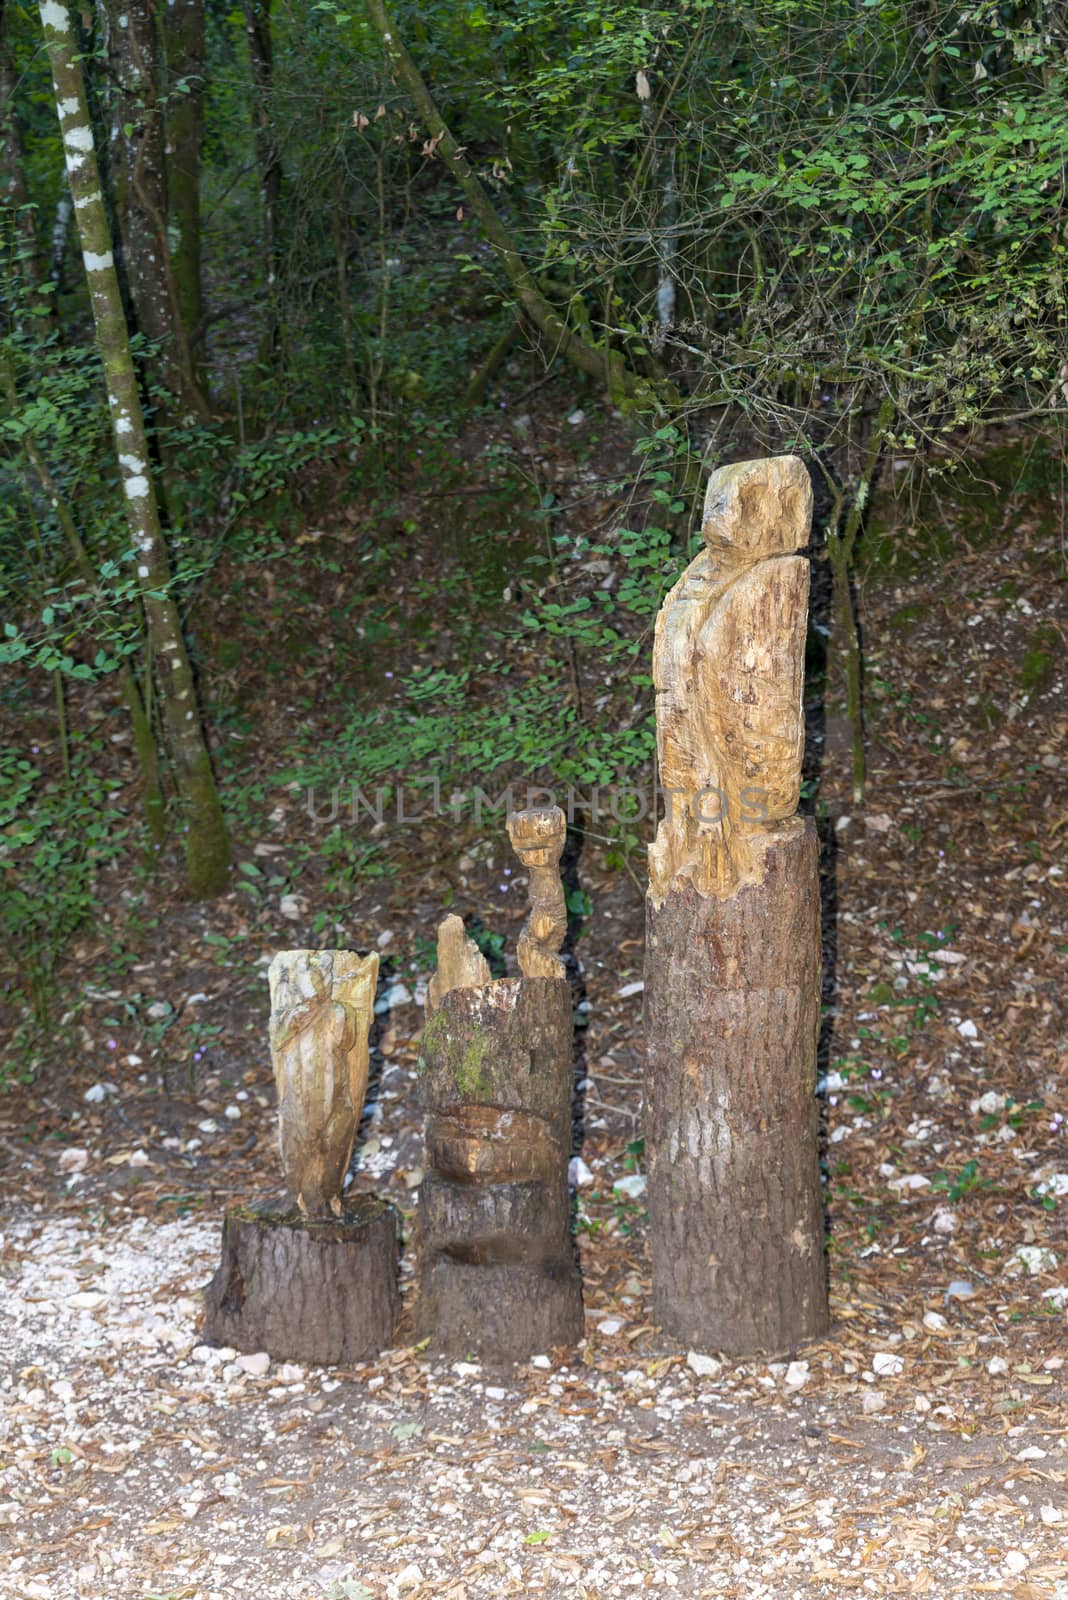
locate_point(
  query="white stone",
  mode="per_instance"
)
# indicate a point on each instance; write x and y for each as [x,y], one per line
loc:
[87,1300]
[409,1577]
[1051,1515]
[579,1175]
[967,1029]
[703,1366]
[633,1187]
[997,1366]
[1036,1258]
[630,988]
[255,1365]
[873,1401]
[73,1159]
[1016,1562]
[886,1365]
[797,1375]
[934,1322]
[542,1363]
[945,1221]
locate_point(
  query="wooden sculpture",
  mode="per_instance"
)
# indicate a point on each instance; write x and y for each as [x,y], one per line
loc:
[732,987]
[313,1279]
[497,1274]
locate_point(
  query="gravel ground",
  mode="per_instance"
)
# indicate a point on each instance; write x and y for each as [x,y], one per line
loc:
[137,1462]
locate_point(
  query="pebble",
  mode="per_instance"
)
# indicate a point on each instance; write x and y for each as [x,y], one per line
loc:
[255,1365]
[997,1366]
[886,1365]
[633,1186]
[495,1392]
[797,1375]
[73,1160]
[1016,1562]
[934,1322]
[579,1175]
[703,1366]
[98,1092]
[396,995]
[960,1289]
[289,906]
[542,1363]
[1051,1515]
[1036,1258]
[945,1221]
[873,1401]
[628,989]
[967,1029]
[409,1577]
[87,1300]
[233,1112]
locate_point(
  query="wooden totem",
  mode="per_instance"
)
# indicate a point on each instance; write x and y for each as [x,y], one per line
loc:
[314,1279]
[497,1272]
[732,988]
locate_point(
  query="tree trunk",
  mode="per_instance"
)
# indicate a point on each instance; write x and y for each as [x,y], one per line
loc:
[184,46]
[268,155]
[14,192]
[497,1272]
[732,985]
[321,1290]
[141,196]
[206,844]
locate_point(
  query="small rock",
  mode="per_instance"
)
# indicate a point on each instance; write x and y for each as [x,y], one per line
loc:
[158,1010]
[797,1375]
[611,1326]
[73,1160]
[384,938]
[1016,1562]
[255,1365]
[1031,1452]
[289,906]
[467,1369]
[289,1372]
[967,1029]
[1055,1184]
[98,1092]
[909,1180]
[886,1365]
[934,1322]
[1051,1515]
[945,1221]
[576,418]
[630,988]
[233,1112]
[87,1300]
[879,823]
[209,1125]
[137,1158]
[873,1401]
[409,1577]
[542,1363]
[396,995]
[997,1366]
[579,1175]
[495,1392]
[633,1187]
[1036,1258]
[703,1366]
[960,1289]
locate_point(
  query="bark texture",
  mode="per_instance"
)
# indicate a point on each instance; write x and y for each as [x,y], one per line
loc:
[206,841]
[322,1291]
[497,1271]
[732,1014]
[732,983]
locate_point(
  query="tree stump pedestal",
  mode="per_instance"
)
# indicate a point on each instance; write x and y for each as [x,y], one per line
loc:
[321,1290]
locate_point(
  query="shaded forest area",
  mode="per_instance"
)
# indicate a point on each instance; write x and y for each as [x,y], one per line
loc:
[360,374]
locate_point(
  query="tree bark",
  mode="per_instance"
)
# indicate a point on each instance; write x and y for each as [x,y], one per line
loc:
[138,165]
[184,47]
[268,155]
[732,984]
[207,847]
[14,191]
[321,1290]
[497,1272]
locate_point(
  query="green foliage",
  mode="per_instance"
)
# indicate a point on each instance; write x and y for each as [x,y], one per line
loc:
[54,837]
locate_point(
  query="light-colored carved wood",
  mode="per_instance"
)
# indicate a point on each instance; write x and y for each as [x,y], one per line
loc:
[461,964]
[538,837]
[322,1006]
[728,665]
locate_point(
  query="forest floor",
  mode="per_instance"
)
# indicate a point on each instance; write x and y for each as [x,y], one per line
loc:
[921,1448]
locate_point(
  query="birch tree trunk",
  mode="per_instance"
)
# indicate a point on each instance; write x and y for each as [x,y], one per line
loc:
[732,983]
[207,848]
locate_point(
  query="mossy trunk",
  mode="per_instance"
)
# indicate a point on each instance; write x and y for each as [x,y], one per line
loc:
[207,846]
[497,1272]
[184,47]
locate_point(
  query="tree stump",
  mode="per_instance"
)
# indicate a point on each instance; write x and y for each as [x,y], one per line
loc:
[314,1279]
[318,1290]
[732,984]
[497,1271]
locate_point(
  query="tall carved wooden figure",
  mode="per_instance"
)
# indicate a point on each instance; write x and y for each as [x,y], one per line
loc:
[497,1273]
[314,1279]
[732,986]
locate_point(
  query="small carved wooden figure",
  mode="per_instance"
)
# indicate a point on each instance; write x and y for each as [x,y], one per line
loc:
[322,1005]
[497,1275]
